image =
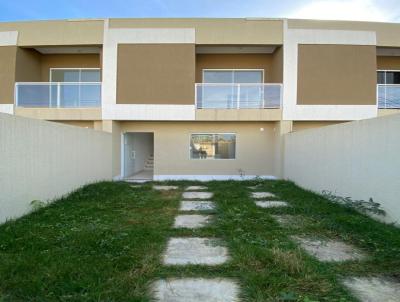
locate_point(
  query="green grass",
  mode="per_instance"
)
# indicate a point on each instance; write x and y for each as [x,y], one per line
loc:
[104,243]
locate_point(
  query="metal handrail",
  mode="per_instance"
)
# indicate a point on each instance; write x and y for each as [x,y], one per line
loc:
[53,98]
[388,96]
[269,95]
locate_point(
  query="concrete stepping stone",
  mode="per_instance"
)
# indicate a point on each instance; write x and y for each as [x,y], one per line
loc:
[184,251]
[290,221]
[262,194]
[253,187]
[197,195]
[376,289]
[329,250]
[271,204]
[191,221]
[195,290]
[165,188]
[196,205]
[196,188]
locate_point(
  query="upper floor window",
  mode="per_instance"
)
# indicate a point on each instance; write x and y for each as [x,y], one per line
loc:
[77,75]
[233,76]
[388,77]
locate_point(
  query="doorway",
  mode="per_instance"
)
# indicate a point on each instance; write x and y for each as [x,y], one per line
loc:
[138,156]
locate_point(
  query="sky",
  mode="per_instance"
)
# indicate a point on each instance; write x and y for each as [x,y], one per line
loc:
[360,10]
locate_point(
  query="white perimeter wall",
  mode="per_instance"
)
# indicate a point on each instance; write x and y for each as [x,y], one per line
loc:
[359,159]
[41,160]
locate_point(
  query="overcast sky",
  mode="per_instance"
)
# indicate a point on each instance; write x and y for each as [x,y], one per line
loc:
[369,10]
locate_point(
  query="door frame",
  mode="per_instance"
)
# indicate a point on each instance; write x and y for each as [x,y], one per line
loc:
[122,153]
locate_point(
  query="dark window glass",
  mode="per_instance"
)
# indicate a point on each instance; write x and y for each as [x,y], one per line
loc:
[381,77]
[392,77]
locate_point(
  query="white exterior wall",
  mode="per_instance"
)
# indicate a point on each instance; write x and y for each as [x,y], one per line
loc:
[358,159]
[41,160]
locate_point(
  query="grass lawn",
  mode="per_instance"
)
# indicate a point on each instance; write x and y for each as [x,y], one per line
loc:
[104,243]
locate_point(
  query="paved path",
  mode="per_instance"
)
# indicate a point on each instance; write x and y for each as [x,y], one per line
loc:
[195,251]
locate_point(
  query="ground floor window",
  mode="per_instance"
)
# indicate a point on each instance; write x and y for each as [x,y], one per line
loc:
[213,146]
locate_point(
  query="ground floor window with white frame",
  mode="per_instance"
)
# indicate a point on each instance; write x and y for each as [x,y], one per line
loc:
[213,146]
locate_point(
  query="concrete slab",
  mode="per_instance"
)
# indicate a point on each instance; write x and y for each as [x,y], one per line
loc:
[165,188]
[196,205]
[376,289]
[197,195]
[329,250]
[292,221]
[254,187]
[195,290]
[271,204]
[196,188]
[191,221]
[262,194]
[206,251]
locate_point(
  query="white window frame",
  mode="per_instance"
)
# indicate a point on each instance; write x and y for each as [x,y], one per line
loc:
[233,69]
[213,133]
[74,68]
[387,70]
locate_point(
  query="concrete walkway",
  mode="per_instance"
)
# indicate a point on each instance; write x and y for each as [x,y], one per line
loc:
[195,251]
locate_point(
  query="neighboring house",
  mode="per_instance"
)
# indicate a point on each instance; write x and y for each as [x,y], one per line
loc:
[199,98]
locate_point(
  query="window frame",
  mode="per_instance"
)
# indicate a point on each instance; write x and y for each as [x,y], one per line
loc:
[212,133]
[232,69]
[74,68]
[386,70]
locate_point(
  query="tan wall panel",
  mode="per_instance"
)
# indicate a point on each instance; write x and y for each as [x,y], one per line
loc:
[28,67]
[255,149]
[336,75]
[67,61]
[387,34]
[298,126]
[58,32]
[83,124]
[277,66]
[7,73]
[155,74]
[238,115]
[216,31]
[388,63]
[236,61]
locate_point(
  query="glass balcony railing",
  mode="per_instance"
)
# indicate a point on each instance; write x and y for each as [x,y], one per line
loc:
[58,94]
[388,96]
[238,96]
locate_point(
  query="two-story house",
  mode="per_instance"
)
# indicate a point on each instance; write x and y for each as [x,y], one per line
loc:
[199,98]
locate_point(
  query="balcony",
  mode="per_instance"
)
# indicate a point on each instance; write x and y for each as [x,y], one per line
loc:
[58,94]
[388,96]
[238,96]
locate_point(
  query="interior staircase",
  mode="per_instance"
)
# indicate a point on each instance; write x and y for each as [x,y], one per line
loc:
[149,164]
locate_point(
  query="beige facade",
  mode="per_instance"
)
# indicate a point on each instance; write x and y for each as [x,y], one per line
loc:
[216,31]
[155,74]
[299,126]
[255,148]
[336,75]
[271,64]
[388,62]
[7,73]
[150,67]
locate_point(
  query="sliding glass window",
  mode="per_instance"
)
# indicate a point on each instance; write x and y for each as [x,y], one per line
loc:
[213,146]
